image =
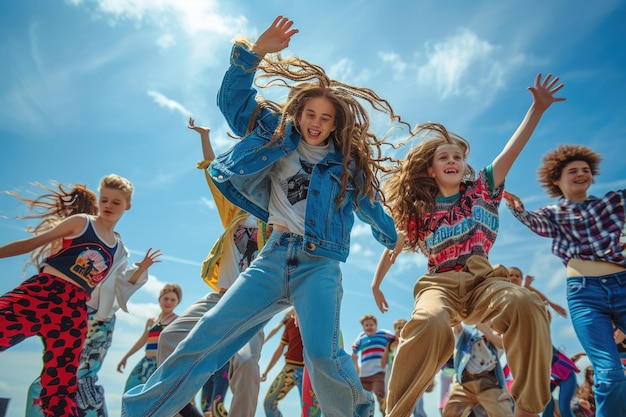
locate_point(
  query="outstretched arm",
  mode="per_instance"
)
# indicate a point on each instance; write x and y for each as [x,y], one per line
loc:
[71,226]
[381,270]
[143,339]
[387,259]
[543,96]
[528,280]
[277,353]
[275,38]
[207,149]
[490,335]
[274,331]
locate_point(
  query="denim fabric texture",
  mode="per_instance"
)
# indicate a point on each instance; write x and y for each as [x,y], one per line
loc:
[241,173]
[595,303]
[283,274]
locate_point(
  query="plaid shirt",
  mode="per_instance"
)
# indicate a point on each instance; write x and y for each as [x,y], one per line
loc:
[590,230]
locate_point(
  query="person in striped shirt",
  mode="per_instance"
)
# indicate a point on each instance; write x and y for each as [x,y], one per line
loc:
[371,343]
[169,297]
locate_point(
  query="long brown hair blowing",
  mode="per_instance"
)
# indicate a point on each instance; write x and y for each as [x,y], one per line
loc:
[53,207]
[362,150]
[409,189]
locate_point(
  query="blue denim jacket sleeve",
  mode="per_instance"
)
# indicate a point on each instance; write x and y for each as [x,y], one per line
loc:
[383,228]
[236,97]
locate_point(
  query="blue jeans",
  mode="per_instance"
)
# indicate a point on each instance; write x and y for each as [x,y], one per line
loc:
[283,274]
[595,303]
[418,411]
[567,389]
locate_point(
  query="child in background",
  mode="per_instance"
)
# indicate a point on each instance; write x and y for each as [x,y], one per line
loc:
[372,343]
[231,254]
[446,376]
[584,402]
[306,168]
[515,277]
[479,375]
[563,370]
[390,349]
[51,208]
[586,233]
[169,297]
[291,374]
[453,220]
[53,303]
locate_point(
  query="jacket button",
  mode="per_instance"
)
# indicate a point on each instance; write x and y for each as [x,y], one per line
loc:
[241,171]
[264,158]
[310,246]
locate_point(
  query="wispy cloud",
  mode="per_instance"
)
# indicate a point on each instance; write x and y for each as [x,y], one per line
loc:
[168,103]
[398,66]
[449,62]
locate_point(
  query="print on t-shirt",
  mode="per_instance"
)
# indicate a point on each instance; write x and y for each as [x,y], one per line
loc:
[298,185]
[245,239]
[90,266]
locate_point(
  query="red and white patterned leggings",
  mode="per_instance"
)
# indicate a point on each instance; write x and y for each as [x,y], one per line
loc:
[56,311]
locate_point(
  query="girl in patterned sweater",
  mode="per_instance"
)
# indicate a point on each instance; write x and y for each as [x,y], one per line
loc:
[453,219]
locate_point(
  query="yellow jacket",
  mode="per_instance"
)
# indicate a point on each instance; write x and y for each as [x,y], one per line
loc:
[230,215]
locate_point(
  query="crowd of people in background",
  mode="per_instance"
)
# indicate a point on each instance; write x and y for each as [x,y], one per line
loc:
[287,194]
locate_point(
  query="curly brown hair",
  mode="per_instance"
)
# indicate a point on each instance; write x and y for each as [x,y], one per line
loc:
[53,207]
[554,162]
[410,191]
[362,149]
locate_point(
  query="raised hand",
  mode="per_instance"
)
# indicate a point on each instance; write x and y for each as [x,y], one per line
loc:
[150,258]
[543,91]
[199,129]
[275,38]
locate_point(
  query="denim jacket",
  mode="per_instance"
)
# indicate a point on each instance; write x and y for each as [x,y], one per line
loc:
[463,353]
[242,173]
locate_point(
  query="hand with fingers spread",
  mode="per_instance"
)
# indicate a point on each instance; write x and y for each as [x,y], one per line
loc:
[543,91]
[275,38]
[152,257]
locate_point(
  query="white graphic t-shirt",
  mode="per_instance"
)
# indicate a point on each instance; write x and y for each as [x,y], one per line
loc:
[290,177]
[238,252]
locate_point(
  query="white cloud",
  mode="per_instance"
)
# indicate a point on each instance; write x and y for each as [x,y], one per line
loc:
[344,71]
[449,62]
[192,16]
[170,104]
[208,202]
[166,41]
[397,64]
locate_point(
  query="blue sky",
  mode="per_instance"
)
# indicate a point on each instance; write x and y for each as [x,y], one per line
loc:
[92,87]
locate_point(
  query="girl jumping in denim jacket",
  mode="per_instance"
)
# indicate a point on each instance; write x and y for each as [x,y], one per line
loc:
[305,167]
